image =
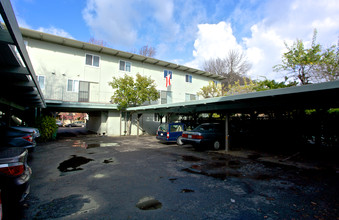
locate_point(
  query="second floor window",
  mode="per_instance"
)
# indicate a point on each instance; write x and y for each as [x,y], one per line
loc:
[168,72]
[41,80]
[124,66]
[189,78]
[72,85]
[92,60]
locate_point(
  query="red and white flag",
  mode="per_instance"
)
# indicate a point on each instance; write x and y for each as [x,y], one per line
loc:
[168,80]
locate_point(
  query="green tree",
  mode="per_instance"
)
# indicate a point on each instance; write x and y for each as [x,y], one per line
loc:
[129,92]
[309,65]
[328,68]
[272,84]
[47,127]
[211,90]
[237,88]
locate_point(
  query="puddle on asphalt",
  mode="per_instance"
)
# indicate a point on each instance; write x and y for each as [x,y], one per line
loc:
[191,158]
[110,160]
[220,169]
[85,145]
[223,169]
[187,190]
[172,180]
[73,164]
[62,207]
[222,175]
[148,203]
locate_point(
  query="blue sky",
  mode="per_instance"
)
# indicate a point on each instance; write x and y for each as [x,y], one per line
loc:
[187,32]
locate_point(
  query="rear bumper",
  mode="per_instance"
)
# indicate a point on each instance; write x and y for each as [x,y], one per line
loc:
[164,139]
[15,190]
[192,141]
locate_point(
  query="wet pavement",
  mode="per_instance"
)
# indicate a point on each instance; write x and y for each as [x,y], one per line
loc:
[83,176]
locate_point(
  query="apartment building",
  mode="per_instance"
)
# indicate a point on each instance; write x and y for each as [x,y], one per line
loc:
[71,71]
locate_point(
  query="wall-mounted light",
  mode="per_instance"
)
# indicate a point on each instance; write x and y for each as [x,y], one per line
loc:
[64,74]
[53,73]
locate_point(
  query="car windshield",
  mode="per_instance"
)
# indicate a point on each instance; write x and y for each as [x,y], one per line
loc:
[207,127]
[163,127]
[176,128]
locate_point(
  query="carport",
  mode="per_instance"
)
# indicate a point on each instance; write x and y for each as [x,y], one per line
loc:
[19,87]
[314,96]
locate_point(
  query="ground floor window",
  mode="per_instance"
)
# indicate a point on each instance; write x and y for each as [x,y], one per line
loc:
[166,97]
[190,97]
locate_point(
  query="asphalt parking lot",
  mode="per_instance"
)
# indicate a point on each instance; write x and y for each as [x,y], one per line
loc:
[85,176]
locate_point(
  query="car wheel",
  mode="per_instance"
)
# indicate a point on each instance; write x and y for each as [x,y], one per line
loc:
[216,145]
[179,140]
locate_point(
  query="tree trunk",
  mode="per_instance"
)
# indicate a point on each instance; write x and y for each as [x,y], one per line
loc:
[129,123]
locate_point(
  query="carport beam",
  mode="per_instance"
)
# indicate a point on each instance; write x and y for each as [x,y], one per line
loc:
[227,133]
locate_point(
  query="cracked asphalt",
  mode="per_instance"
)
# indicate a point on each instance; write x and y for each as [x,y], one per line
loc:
[85,176]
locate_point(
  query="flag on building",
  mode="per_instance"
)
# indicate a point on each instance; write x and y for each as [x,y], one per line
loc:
[168,79]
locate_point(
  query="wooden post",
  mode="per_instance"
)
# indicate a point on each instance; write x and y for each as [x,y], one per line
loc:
[227,133]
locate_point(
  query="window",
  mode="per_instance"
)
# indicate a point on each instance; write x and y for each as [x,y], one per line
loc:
[72,85]
[165,97]
[41,80]
[92,60]
[190,97]
[125,66]
[156,117]
[166,72]
[189,78]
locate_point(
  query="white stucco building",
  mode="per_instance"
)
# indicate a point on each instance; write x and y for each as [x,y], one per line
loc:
[75,72]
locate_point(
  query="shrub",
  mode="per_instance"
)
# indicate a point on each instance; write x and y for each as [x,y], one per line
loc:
[47,127]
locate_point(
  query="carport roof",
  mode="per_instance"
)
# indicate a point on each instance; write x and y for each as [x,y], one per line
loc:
[322,95]
[19,87]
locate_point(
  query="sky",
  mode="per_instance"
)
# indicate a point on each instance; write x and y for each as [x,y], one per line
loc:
[188,32]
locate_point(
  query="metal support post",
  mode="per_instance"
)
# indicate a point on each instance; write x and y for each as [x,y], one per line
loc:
[227,133]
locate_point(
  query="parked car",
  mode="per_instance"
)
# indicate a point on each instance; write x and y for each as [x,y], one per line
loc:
[15,137]
[76,124]
[170,132]
[59,123]
[206,135]
[35,132]
[14,177]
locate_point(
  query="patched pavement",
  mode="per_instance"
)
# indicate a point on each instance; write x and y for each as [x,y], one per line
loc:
[96,177]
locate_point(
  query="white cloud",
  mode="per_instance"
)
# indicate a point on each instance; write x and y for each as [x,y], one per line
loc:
[280,22]
[295,20]
[55,31]
[213,41]
[264,49]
